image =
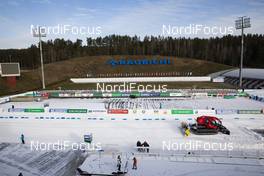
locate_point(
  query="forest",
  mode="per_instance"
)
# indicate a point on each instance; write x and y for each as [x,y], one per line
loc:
[224,50]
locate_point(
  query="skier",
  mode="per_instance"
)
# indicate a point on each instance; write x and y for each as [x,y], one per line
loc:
[22,138]
[20,174]
[119,163]
[134,163]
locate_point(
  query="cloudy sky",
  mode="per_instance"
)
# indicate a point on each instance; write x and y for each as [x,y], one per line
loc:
[90,18]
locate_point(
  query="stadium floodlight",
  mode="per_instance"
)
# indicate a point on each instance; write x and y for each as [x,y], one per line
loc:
[241,23]
[40,32]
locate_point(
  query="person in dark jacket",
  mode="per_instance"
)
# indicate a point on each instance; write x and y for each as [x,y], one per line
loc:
[119,162]
[139,146]
[22,139]
[134,163]
[145,144]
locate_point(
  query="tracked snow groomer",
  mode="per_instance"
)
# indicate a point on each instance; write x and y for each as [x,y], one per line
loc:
[208,125]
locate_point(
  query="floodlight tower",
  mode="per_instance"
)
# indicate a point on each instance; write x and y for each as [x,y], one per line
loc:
[39,32]
[241,23]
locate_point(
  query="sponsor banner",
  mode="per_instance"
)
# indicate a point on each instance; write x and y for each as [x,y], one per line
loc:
[87,94]
[150,112]
[160,111]
[96,111]
[200,94]
[174,94]
[34,110]
[144,61]
[116,94]
[212,94]
[125,94]
[54,94]
[205,112]
[35,94]
[107,95]
[221,94]
[45,94]
[229,97]
[136,94]
[117,111]
[156,111]
[76,110]
[155,94]
[163,111]
[97,94]
[226,111]
[134,111]
[58,110]
[77,94]
[150,94]
[219,79]
[164,94]
[182,111]
[249,111]
[64,95]
[145,94]
[16,110]
[242,94]
[142,111]
[232,94]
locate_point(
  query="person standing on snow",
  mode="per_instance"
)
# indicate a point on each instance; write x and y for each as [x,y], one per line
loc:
[119,163]
[146,145]
[134,163]
[22,139]
[139,146]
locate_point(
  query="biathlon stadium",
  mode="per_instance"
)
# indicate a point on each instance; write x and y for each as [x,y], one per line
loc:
[131,88]
[97,125]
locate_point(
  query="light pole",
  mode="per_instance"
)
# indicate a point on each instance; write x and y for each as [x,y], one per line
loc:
[38,33]
[241,23]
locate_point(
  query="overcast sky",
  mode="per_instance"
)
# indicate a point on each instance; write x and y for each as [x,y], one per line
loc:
[130,17]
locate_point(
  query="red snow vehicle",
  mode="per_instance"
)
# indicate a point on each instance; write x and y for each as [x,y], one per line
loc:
[208,125]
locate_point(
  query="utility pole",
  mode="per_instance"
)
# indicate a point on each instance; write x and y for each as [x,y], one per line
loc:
[41,60]
[38,33]
[241,23]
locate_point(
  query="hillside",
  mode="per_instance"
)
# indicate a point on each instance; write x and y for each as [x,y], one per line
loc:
[58,74]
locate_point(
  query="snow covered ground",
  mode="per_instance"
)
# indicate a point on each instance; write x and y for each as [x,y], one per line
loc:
[18,158]
[120,136]
[175,166]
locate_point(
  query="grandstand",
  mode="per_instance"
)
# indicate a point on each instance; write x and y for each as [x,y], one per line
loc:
[252,78]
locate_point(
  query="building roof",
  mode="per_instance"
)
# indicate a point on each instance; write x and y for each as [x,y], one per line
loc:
[251,73]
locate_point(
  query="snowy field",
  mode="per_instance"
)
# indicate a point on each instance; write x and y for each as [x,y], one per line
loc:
[177,166]
[16,158]
[119,136]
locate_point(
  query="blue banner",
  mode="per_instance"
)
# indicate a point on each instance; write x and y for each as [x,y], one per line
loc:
[58,110]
